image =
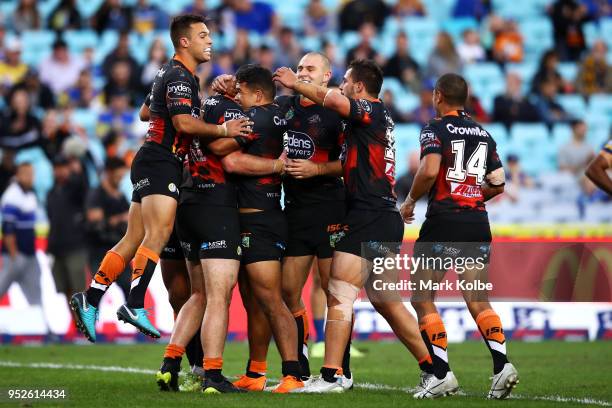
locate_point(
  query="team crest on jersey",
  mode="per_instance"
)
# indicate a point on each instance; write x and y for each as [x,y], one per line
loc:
[335,238]
[289,115]
[172,187]
[246,241]
[161,72]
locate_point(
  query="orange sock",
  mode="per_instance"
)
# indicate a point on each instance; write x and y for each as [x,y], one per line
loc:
[490,327]
[143,255]
[110,268]
[305,325]
[426,359]
[259,367]
[433,332]
[213,363]
[174,351]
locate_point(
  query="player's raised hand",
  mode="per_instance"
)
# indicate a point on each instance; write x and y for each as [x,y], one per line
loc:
[407,210]
[223,83]
[286,77]
[301,169]
[237,127]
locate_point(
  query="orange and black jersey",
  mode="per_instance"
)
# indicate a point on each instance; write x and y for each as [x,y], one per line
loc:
[313,133]
[174,92]
[469,153]
[266,140]
[204,180]
[368,156]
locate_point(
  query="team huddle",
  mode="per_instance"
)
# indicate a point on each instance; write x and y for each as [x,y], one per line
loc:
[332,154]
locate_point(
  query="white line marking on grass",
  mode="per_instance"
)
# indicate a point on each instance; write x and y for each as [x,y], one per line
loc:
[364,386]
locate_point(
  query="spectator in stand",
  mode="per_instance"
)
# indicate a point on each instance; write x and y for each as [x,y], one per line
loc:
[547,71]
[317,21]
[40,94]
[66,212]
[508,44]
[20,127]
[389,101]
[577,153]
[61,69]
[404,182]
[337,64]
[513,106]
[65,16]
[595,74]
[402,66]
[568,18]
[425,112]
[254,16]
[443,58]
[354,13]
[107,215]
[241,53]
[364,50]
[266,57]
[82,95]
[120,82]
[549,110]
[7,168]
[25,17]
[475,109]
[12,69]
[197,7]
[19,263]
[122,54]
[470,50]
[2,39]
[408,8]
[598,9]
[118,116]
[55,130]
[158,56]
[289,50]
[112,16]
[516,178]
[223,64]
[472,8]
[148,17]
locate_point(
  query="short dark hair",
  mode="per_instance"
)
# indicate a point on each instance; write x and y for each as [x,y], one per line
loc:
[368,72]
[114,163]
[453,88]
[257,77]
[180,26]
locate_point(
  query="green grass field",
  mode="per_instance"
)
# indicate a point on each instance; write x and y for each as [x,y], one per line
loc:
[553,374]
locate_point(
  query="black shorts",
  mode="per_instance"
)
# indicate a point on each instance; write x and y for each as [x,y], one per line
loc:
[155,171]
[172,250]
[444,237]
[370,234]
[208,232]
[310,228]
[263,236]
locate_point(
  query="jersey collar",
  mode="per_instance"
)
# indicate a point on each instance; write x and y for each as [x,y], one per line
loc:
[182,62]
[461,113]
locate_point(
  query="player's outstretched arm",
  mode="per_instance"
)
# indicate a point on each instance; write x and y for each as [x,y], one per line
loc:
[423,181]
[328,98]
[597,171]
[187,124]
[302,168]
[224,84]
[249,165]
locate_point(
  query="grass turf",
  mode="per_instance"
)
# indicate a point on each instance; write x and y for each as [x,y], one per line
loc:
[575,371]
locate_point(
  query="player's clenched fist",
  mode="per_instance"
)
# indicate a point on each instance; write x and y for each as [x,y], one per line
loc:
[407,210]
[286,77]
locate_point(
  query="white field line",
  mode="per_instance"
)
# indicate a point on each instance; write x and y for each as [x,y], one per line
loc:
[365,386]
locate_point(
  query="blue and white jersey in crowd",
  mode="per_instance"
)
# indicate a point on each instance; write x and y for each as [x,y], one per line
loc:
[19,217]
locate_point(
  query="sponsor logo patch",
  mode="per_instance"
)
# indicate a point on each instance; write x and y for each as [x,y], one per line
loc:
[213,245]
[140,184]
[299,145]
[178,90]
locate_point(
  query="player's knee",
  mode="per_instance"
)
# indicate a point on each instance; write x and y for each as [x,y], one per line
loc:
[291,298]
[340,301]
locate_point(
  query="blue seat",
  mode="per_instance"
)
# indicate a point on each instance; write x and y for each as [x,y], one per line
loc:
[36,45]
[87,119]
[485,78]
[529,141]
[291,15]
[46,7]
[88,8]
[605,25]
[108,42]
[573,104]
[537,33]
[422,33]
[79,40]
[568,70]
[456,26]
[440,10]
[526,70]
[601,104]
[591,32]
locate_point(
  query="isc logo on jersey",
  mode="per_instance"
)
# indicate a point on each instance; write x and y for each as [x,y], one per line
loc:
[299,145]
[179,90]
